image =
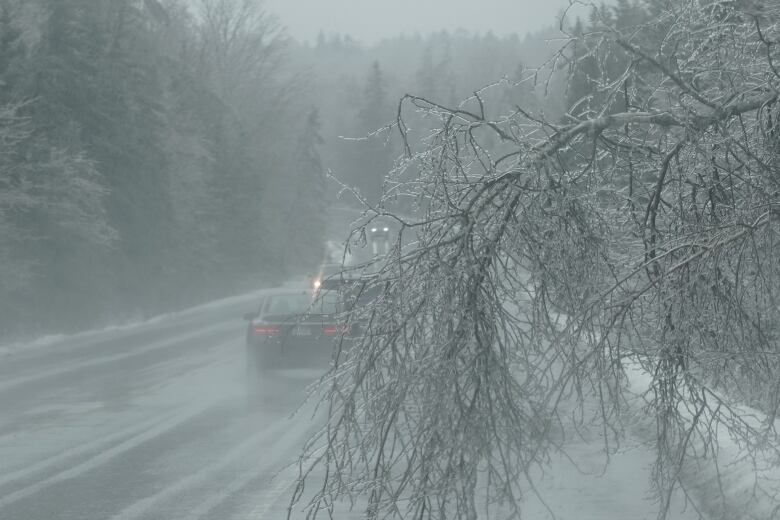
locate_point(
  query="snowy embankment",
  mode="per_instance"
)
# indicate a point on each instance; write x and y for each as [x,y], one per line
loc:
[725,480]
[52,339]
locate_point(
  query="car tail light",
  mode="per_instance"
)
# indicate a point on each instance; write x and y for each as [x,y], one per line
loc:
[332,330]
[266,330]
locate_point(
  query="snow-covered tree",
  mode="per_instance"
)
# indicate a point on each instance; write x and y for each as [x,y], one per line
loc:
[553,259]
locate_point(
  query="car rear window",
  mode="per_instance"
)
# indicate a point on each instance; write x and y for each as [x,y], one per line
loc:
[326,303]
[300,303]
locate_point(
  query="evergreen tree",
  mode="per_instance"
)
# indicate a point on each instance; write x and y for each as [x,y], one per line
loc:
[434,78]
[373,156]
[311,191]
[373,113]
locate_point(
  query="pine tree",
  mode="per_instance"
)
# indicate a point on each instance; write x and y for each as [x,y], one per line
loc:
[373,155]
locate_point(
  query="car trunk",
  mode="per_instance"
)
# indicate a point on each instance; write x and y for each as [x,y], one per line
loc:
[304,340]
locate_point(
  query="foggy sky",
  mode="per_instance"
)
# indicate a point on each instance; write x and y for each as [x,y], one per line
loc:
[371,20]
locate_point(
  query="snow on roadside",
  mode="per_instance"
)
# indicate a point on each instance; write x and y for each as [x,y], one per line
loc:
[586,484]
[731,484]
[53,339]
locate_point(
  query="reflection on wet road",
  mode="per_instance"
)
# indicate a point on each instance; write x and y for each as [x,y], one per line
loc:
[150,421]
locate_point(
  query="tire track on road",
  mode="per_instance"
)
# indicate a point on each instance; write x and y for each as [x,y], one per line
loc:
[6,385]
[202,476]
[94,462]
[82,449]
[268,498]
[283,475]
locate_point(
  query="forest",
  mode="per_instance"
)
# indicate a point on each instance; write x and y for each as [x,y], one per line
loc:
[158,154]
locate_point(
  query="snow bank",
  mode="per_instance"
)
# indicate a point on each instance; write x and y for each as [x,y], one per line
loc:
[727,483]
[53,339]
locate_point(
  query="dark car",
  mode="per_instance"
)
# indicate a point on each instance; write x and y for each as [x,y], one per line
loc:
[293,328]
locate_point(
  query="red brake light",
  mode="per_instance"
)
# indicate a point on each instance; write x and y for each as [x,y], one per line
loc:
[332,330]
[266,330]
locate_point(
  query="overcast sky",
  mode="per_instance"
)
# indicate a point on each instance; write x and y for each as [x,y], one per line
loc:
[372,20]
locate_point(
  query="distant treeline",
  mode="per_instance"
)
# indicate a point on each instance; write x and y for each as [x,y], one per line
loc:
[157,153]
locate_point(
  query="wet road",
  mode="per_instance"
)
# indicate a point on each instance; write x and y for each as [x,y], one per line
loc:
[149,421]
[153,422]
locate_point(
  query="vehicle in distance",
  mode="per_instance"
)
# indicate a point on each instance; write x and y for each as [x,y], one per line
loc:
[351,287]
[330,276]
[293,328]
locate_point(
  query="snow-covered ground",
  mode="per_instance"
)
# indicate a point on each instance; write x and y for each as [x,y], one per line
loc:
[151,420]
[727,483]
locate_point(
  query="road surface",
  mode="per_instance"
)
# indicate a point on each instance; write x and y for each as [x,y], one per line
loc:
[152,421]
